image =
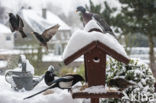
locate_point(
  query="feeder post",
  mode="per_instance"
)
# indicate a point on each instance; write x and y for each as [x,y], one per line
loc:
[94,100]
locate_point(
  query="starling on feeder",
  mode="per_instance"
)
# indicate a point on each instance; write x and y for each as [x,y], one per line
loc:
[46,35]
[87,16]
[16,24]
[119,83]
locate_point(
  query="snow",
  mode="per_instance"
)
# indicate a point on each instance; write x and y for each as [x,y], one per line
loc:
[94,89]
[52,18]
[29,67]
[57,58]
[4,29]
[92,24]
[8,95]
[3,63]
[81,38]
[38,23]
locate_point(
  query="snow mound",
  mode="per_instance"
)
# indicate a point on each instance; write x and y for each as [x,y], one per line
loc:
[81,39]
[91,25]
[4,29]
[8,95]
[29,67]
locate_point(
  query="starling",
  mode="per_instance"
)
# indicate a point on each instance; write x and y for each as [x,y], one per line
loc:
[87,16]
[16,24]
[119,83]
[46,35]
[65,82]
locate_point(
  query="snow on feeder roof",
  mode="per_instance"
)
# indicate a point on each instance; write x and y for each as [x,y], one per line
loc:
[81,40]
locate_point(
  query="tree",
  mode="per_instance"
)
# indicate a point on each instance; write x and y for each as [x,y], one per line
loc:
[136,16]
[139,17]
[2,12]
[136,72]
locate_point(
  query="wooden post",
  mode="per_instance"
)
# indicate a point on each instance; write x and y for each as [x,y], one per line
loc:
[94,100]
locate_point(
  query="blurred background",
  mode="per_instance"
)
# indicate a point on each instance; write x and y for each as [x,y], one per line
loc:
[134,23]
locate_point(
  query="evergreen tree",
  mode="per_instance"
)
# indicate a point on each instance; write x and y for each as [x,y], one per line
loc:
[136,16]
[136,72]
[139,16]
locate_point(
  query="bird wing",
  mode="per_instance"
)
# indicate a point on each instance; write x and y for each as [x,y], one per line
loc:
[11,28]
[38,37]
[102,22]
[21,24]
[50,32]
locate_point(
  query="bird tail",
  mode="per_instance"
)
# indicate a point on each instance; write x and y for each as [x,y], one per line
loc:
[39,92]
[22,33]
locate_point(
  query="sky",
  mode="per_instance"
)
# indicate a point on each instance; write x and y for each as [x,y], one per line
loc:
[65,5]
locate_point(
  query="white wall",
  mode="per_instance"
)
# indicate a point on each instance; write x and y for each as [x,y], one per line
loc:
[6,41]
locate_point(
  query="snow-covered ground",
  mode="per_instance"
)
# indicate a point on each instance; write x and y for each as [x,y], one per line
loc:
[8,95]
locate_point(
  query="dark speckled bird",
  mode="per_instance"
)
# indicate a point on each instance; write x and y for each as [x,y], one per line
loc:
[16,24]
[46,35]
[119,83]
[65,82]
[87,16]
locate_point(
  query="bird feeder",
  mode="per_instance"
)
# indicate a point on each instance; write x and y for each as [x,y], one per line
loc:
[95,68]
[94,46]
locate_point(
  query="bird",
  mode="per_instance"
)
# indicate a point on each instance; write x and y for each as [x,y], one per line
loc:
[49,76]
[16,24]
[64,82]
[119,83]
[46,35]
[87,16]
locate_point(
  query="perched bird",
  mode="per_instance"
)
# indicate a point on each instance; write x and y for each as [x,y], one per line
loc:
[46,35]
[49,75]
[119,83]
[16,24]
[65,82]
[87,16]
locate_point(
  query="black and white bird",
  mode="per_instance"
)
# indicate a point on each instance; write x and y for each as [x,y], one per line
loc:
[87,16]
[65,82]
[49,75]
[46,35]
[119,83]
[16,24]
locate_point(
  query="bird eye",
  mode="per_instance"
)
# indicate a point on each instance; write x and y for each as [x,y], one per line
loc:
[96,60]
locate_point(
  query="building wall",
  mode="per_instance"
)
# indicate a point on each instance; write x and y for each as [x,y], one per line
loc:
[6,41]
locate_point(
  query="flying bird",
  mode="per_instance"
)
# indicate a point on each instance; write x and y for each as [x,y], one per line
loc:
[16,24]
[49,75]
[87,16]
[65,82]
[46,35]
[119,83]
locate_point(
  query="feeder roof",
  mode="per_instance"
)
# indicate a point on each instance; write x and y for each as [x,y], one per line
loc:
[81,42]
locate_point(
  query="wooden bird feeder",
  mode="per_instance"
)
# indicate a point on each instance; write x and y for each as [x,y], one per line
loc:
[95,68]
